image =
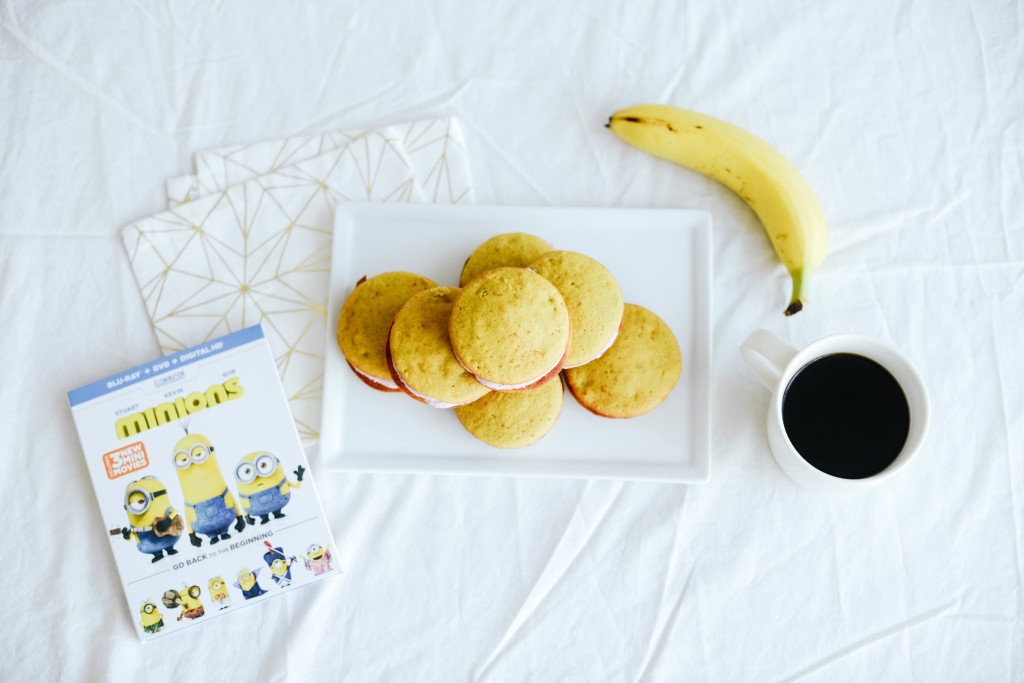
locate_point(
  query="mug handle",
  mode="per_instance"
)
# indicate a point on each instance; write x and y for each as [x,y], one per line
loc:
[766,355]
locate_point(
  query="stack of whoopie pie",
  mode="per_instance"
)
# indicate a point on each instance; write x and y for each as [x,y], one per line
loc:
[493,348]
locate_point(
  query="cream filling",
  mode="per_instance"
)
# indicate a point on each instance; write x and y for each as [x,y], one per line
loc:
[432,402]
[383,382]
[611,343]
[510,387]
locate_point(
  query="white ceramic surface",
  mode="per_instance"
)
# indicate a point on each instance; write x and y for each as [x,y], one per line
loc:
[775,363]
[661,260]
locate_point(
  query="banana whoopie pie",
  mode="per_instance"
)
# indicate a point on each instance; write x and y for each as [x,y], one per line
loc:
[365,319]
[513,419]
[594,300]
[510,328]
[420,355]
[636,374]
[516,249]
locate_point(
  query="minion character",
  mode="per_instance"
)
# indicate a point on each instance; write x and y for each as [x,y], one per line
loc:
[187,600]
[248,583]
[154,525]
[280,565]
[219,592]
[209,506]
[152,621]
[318,559]
[263,487]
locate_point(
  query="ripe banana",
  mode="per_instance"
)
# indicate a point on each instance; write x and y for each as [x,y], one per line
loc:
[748,166]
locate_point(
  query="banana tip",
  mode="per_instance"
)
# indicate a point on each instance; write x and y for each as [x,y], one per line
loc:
[795,307]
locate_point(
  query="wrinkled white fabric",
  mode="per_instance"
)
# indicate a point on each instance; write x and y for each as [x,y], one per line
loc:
[906,117]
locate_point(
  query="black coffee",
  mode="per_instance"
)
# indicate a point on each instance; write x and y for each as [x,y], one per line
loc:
[846,415]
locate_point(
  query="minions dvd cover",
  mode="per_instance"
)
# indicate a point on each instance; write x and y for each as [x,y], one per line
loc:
[203,486]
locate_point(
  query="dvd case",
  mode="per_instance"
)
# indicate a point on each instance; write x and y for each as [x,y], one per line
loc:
[202,483]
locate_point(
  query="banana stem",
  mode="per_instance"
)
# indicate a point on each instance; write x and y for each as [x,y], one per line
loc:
[796,303]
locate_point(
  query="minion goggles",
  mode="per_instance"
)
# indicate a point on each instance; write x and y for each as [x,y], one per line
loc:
[262,466]
[198,454]
[141,506]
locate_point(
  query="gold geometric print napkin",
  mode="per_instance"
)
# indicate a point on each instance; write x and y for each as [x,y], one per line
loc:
[435,149]
[260,251]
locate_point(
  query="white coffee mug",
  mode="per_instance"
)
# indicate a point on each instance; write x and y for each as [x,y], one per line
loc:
[776,363]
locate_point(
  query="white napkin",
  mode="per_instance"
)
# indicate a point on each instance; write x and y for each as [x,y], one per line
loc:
[435,149]
[260,251]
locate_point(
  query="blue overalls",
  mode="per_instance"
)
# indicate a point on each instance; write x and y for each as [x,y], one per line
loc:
[149,542]
[213,516]
[265,502]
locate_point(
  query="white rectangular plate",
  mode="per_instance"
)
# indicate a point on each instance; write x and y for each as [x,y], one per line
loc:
[661,260]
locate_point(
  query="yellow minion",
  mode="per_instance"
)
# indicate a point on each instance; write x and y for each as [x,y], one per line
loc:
[219,592]
[152,621]
[209,506]
[318,559]
[154,525]
[187,600]
[263,486]
[280,564]
[191,608]
[248,583]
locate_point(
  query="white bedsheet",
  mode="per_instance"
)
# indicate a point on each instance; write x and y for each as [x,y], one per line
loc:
[908,119]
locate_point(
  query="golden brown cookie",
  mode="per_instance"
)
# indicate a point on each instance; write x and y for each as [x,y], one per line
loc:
[420,355]
[365,319]
[513,419]
[516,249]
[510,328]
[594,301]
[636,374]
